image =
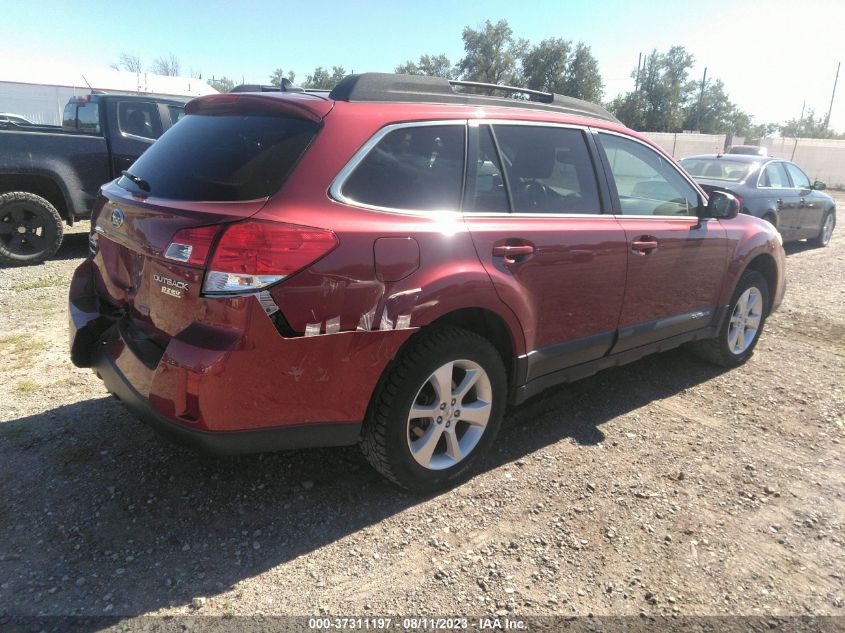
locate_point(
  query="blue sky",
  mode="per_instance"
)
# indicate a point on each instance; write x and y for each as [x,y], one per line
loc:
[771,54]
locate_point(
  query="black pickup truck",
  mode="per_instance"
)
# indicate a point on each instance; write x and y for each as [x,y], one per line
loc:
[51,174]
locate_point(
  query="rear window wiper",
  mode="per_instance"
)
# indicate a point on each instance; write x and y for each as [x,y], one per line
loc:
[140,182]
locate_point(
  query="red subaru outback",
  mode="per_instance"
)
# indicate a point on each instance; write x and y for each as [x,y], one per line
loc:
[395,262]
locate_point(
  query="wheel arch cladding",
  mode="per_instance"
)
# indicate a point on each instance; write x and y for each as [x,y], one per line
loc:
[40,185]
[486,324]
[766,266]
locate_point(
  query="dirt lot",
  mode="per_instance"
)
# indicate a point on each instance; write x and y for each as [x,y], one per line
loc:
[667,486]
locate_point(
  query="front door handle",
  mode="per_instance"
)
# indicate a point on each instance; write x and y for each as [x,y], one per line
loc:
[644,245]
[779,202]
[513,253]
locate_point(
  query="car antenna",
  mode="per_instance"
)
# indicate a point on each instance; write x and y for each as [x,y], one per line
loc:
[86,81]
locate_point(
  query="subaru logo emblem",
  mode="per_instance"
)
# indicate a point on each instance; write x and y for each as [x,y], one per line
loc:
[117,218]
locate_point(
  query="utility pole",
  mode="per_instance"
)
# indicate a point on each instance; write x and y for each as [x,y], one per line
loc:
[700,100]
[830,109]
[637,80]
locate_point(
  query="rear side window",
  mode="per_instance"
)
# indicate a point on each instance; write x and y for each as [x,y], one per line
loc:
[176,113]
[139,118]
[549,169]
[774,176]
[412,168]
[222,157]
[486,191]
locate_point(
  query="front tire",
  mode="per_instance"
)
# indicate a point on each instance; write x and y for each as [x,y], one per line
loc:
[826,232]
[437,410]
[738,336]
[30,228]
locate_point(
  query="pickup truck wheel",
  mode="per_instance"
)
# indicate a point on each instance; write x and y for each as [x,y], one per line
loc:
[741,330]
[30,228]
[437,411]
[826,232]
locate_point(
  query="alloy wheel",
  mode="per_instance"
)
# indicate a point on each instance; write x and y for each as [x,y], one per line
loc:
[449,414]
[745,320]
[827,229]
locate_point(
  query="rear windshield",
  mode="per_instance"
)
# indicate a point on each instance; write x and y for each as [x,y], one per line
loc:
[718,168]
[221,157]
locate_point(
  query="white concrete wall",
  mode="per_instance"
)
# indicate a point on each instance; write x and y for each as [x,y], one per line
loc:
[681,145]
[821,159]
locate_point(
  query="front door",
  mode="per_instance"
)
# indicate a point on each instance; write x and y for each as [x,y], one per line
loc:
[534,210]
[809,203]
[676,261]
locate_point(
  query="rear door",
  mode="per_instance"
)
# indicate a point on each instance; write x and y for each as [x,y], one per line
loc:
[676,261]
[534,207]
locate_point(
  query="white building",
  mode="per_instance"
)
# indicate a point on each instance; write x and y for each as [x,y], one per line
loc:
[39,92]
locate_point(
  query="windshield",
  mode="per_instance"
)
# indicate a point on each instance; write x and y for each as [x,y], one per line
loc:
[718,168]
[221,158]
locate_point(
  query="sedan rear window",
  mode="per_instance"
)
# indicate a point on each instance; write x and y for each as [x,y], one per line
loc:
[221,157]
[718,168]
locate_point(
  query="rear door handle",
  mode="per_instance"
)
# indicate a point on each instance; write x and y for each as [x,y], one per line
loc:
[513,253]
[644,245]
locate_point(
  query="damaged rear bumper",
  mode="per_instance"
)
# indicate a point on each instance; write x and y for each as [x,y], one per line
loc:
[225,442]
[237,388]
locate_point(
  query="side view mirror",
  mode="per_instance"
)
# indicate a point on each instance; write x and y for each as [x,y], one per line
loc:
[721,205]
[819,185]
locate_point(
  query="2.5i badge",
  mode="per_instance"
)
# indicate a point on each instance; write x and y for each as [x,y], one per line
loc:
[171,287]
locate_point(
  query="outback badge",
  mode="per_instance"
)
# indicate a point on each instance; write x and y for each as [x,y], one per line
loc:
[171,286]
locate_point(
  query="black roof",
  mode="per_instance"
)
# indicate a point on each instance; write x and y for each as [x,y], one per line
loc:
[388,87]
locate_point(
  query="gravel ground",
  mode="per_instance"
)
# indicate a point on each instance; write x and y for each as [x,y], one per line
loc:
[664,487]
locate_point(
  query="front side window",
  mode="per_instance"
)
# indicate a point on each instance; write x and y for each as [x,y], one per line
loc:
[549,169]
[799,178]
[646,182]
[139,118]
[774,176]
[412,168]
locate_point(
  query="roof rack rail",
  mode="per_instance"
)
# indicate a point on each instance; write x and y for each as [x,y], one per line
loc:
[287,86]
[545,97]
[422,89]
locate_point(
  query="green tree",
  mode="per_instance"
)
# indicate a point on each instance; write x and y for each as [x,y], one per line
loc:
[582,78]
[322,79]
[808,127]
[664,90]
[221,84]
[544,66]
[429,65]
[493,55]
[279,74]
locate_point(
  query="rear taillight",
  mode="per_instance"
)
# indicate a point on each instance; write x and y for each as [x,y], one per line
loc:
[192,246]
[253,254]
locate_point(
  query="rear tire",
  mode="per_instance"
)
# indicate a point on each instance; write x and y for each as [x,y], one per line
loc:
[738,336]
[30,228]
[441,372]
[826,231]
